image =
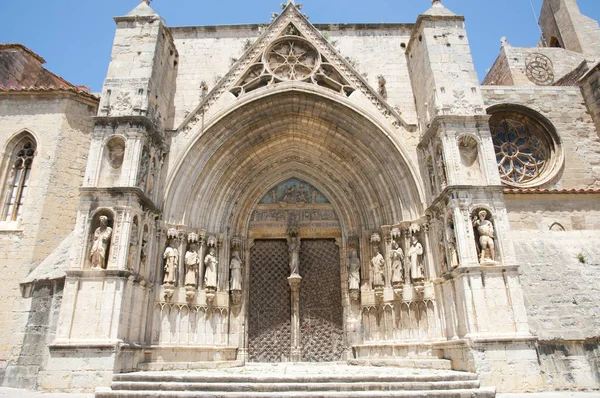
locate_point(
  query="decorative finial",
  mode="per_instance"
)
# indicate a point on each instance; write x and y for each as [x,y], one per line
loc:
[504,41]
[147,2]
[292,2]
[434,2]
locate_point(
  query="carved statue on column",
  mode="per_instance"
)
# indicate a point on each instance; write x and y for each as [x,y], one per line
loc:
[102,237]
[210,273]
[414,254]
[293,240]
[171,257]
[236,271]
[397,257]
[192,260]
[354,273]
[378,264]
[484,232]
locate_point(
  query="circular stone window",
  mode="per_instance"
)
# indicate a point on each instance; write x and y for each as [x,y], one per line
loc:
[292,58]
[527,151]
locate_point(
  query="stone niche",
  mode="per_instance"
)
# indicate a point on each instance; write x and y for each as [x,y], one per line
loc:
[112,162]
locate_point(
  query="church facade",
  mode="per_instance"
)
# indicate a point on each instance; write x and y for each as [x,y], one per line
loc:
[296,192]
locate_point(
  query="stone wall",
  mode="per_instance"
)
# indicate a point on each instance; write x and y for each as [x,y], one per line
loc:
[61,126]
[510,68]
[39,331]
[564,107]
[590,87]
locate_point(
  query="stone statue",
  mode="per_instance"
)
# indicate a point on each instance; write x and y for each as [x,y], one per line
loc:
[354,274]
[288,194]
[381,82]
[144,251]
[102,237]
[143,173]
[171,257]
[397,257]
[485,229]
[191,262]
[133,244]
[274,196]
[210,273]
[378,263]
[451,238]
[302,194]
[236,271]
[294,250]
[414,255]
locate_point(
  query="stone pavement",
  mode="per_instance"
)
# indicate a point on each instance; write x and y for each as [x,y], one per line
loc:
[13,392]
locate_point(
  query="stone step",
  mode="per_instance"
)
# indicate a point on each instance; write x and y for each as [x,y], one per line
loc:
[207,377]
[284,387]
[298,380]
[415,363]
[468,393]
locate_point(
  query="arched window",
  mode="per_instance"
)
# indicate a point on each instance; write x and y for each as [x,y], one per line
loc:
[17,180]
[527,147]
[554,42]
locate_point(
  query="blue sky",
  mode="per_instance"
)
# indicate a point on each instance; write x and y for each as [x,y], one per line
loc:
[75,36]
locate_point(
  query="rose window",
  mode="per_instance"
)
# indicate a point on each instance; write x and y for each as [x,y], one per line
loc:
[292,59]
[524,149]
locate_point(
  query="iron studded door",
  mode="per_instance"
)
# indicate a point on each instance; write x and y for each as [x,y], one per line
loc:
[321,314]
[269,333]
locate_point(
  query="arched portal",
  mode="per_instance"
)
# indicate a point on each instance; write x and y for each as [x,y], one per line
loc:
[224,183]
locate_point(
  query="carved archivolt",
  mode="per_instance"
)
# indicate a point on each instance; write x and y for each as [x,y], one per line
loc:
[291,58]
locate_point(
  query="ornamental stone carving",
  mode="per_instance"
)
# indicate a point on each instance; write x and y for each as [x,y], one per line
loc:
[101,241]
[539,69]
[292,59]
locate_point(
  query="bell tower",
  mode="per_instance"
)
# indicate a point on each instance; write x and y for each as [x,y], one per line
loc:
[477,277]
[114,266]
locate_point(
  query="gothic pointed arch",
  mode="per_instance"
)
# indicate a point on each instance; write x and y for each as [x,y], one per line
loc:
[17,163]
[293,133]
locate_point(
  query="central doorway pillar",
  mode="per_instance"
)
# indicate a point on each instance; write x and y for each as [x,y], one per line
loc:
[295,349]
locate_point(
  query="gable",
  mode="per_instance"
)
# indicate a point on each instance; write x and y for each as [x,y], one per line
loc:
[291,49]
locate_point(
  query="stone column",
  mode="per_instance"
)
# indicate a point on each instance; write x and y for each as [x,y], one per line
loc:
[201,254]
[295,351]
[181,237]
[242,354]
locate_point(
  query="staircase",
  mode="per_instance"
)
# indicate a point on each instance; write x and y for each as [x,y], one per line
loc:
[298,380]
